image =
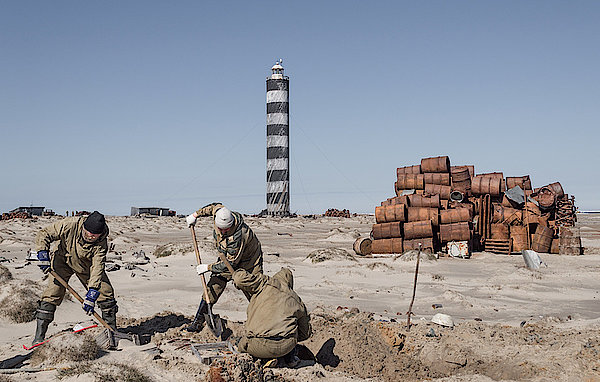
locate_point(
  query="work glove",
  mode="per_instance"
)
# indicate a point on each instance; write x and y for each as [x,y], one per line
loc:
[202,269]
[44,260]
[191,219]
[90,301]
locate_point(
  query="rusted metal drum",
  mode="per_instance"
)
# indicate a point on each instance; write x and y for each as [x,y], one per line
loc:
[501,214]
[417,230]
[482,185]
[498,175]
[387,246]
[387,230]
[435,164]
[392,213]
[518,235]
[444,204]
[455,232]
[395,200]
[556,188]
[457,196]
[499,232]
[416,169]
[416,214]
[456,215]
[555,246]
[522,181]
[410,182]
[442,178]
[542,239]
[438,189]
[426,244]
[546,198]
[424,201]
[470,167]
[362,246]
[460,174]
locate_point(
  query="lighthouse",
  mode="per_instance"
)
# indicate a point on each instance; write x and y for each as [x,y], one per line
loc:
[278,142]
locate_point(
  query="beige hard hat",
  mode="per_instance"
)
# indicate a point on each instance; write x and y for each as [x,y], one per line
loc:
[223,218]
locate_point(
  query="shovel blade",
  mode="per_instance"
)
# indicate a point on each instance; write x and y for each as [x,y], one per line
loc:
[213,321]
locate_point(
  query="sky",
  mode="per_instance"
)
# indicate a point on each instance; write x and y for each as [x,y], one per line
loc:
[111,104]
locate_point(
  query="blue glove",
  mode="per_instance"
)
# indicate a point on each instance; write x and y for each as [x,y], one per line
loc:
[90,301]
[44,261]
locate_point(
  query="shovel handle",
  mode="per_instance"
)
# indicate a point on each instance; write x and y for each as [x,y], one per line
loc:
[199,261]
[78,297]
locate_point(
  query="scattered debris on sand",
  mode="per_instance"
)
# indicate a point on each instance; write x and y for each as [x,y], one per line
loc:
[321,255]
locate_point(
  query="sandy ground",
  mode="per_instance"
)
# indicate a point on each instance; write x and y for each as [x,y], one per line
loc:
[511,323]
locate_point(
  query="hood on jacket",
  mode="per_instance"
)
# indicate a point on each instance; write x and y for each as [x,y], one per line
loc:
[285,277]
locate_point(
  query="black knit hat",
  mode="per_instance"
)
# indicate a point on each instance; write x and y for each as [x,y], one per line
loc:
[95,223]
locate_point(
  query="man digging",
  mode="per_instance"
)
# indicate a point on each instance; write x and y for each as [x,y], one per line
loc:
[239,244]
[81,251]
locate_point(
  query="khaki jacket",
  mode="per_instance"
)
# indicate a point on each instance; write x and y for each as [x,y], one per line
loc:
[82,257]
[275,310]
[240,245]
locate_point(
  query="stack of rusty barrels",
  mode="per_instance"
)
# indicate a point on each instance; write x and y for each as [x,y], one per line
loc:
[436,203]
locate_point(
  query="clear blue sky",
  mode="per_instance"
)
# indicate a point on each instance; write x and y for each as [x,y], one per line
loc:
[111,104]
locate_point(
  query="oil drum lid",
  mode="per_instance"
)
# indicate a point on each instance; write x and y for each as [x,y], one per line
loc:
[456,196]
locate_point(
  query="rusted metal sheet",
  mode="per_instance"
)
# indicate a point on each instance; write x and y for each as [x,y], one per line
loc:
[499,231]
[387,246]
[442,178]
[435,164]
[518,236]
[455,232]
[438,189]
[410,182]
[506,215]
[417,230]
[424,201]
[501,246]
[387,230]
[416,214]
[427,244]
[456,215]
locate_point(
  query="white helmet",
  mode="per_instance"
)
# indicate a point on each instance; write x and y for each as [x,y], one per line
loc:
[223,218]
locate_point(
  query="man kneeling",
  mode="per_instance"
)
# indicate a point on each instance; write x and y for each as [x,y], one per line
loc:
[277,318]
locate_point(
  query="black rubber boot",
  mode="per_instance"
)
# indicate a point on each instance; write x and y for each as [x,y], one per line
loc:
[198,322]
[291,359]
[109,313]
[44,315]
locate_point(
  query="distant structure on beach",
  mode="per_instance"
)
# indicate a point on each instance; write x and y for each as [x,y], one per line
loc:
[155,211]
[34,211]
[278,143]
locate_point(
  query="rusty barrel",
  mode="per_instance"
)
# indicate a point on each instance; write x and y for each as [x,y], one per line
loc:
[424,201]
[555,246]
[522,181]
[416,214]
[502,214]
[387,230]
[499,232]
[456,215]
[426,244]
[387,246]
[416,169]
[542,239]
[455,232]
[518,235]
[417,230]
[438,189]
[392,213]
[469,167]
[362,246]
[395,200]
[546,198]
[482,185]
[435,164]
[556,187]
[410,182]
[496,174]
[437,178]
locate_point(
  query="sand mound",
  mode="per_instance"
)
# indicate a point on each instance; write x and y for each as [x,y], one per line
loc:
[358,345]
[5,274]
[325,254]
[240,368]
[104,372]
[71,347]
[174,249]
[18,300]
[341,235]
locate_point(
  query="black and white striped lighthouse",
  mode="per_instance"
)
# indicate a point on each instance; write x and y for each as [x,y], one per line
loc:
[278,143]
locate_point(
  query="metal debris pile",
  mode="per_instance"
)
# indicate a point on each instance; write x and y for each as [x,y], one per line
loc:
[443,207]
[332,212]
[15,215]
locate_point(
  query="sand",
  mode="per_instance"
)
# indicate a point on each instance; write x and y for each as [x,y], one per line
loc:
[511,323]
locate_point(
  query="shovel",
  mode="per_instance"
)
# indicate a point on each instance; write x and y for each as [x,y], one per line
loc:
[110,337]
[213,321]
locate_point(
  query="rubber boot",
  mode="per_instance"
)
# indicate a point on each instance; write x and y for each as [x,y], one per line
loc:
[291,359]
[199,319]
[109,313]
[45,315]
